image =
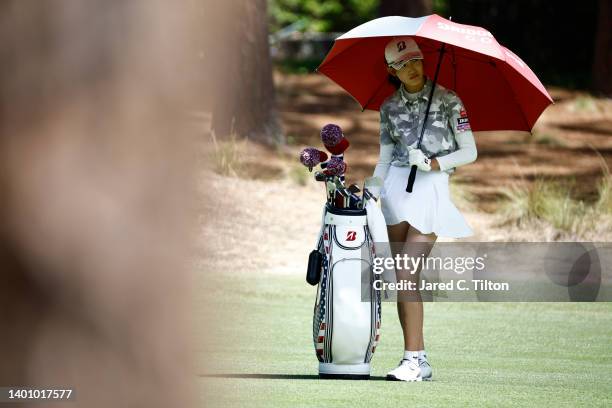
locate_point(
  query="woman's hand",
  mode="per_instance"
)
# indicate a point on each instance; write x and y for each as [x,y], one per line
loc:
[417,158]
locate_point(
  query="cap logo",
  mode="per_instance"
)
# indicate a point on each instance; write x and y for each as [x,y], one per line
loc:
[401,46]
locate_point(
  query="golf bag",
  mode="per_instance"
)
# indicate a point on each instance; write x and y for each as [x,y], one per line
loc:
[346,329]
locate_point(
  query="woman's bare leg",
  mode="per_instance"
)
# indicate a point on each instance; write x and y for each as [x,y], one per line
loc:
[397,236]
[410,312]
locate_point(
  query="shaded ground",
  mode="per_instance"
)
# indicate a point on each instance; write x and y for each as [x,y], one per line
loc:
[561,145]
[565,145]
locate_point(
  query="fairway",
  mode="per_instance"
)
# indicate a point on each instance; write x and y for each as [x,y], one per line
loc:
[483,354]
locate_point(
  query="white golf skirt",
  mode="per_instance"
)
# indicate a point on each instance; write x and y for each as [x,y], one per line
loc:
[428,208]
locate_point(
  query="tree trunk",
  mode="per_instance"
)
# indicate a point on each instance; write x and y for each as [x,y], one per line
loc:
[406,8]
[239,58]
[602,63]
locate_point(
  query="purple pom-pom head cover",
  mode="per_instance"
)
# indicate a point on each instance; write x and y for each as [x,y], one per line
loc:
[335,166]
[331,134]
[310,157]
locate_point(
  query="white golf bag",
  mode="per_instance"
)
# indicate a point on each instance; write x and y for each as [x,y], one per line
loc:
[346,329]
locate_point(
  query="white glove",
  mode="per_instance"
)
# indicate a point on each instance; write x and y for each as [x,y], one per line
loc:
[417,158]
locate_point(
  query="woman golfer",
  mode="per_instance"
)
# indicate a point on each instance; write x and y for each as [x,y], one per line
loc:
[415,220]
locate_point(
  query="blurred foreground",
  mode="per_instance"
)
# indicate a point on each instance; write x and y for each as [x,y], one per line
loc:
[96,186]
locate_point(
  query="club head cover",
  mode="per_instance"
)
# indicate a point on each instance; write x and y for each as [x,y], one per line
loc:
[311,156]
[333,139]
[328,173]
[331,134]
[335,167]
[339,148]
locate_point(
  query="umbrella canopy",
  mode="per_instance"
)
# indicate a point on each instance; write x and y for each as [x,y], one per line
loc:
[499,91]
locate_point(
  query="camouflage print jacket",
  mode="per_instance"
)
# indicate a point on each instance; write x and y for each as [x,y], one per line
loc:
[401,118]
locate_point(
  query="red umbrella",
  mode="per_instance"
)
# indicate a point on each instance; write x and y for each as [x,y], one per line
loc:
[499,91]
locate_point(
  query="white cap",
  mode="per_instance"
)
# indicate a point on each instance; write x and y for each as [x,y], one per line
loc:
[401,49]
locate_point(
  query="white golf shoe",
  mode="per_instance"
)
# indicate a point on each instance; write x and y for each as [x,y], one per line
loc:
[426,371]
[407,370]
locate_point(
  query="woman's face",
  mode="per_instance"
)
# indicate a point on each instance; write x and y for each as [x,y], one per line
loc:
[411,75]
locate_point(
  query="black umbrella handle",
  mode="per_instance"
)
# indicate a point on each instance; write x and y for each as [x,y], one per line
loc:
[431,92]
[411,179]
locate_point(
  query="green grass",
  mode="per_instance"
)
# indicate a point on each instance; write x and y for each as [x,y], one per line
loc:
[554,203]
[227,155]
[550,201]
[604,189]
[546,139]
[483,354]
[299,174]
[585,104]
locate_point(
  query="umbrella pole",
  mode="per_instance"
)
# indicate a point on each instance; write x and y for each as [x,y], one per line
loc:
[413,169]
